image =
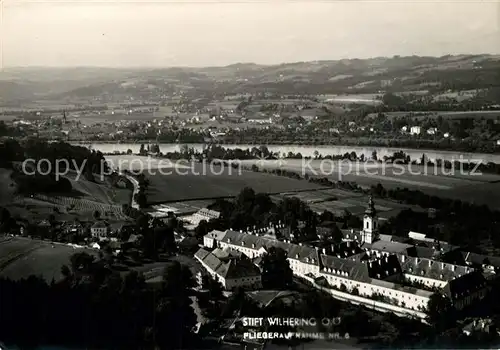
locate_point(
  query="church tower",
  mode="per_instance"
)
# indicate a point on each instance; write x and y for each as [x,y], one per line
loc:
[370,223]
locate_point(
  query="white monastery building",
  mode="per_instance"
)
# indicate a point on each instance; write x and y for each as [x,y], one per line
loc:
[368,267]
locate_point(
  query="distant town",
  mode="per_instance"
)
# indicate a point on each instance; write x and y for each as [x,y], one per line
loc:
[355,205]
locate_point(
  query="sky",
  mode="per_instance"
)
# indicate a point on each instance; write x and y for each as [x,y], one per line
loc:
[215,33]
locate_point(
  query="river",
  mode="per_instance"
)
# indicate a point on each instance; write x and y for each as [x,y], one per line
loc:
[309,151]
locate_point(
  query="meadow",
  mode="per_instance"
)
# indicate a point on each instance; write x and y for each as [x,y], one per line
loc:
[22,257]
[475,188]
[81,203]
[446,115]
[337,201]
[206,185]
[183,183]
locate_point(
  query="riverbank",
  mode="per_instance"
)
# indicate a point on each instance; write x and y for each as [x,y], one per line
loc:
[471,146]
[306,150]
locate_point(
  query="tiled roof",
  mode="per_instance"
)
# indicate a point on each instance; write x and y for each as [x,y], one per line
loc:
[295,251]
[479,259]
[432,269]
[384,267]
[226,253]
[390,247]
[234,268]
[421,252]
[201,253]
[212,262]
[395,286]
[473,281]
[345,268]
[352,235]
[401,239]
[345,249]
[238,268]
[387,238]
[216,234]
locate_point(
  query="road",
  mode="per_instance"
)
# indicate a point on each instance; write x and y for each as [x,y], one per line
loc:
[136,190]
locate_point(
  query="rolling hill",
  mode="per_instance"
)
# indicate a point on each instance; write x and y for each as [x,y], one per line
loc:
[358,76]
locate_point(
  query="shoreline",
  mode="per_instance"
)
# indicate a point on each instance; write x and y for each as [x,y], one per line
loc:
[298,144]
[306,150]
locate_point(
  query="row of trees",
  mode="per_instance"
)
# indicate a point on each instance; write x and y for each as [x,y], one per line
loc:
[252,210]
[140,197]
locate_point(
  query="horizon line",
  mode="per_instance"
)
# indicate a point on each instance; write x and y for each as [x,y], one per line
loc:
[247,63]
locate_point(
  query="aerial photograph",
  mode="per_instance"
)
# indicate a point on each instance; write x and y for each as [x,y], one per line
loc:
[278,175]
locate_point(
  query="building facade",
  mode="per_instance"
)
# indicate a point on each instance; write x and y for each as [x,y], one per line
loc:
[100,230]
[365,265]
[231,269]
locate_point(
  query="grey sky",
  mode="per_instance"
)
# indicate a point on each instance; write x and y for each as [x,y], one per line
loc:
[122,33]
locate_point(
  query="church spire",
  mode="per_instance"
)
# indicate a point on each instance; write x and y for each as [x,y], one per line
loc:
[370,210]
[370,223]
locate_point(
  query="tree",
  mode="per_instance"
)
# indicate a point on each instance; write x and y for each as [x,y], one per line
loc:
[141,199]
[177,278]
[439,310]
[96,214]
[337,234]
[202,229]
[81,262]
[65,271]
[5,220]
[326,216]
[354,222]
[215,288]
[276,271]
[392,100]
[245,198]
[126,208]
[4,216]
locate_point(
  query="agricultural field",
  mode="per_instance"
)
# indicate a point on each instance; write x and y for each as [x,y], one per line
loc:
[198,182]
[476,188]
[354,98]
[40,206]
[101,193]
[337,201]
[447,115]
[22,257]
[226,105]
[201,183]
[284,101]
[458,95]
[86,198]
